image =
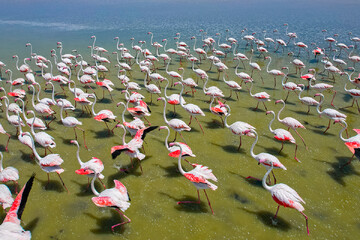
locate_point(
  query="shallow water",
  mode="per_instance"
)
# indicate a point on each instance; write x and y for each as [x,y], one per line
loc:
[242,207]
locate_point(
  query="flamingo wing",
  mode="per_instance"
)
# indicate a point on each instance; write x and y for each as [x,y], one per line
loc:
[141,133]
[116,150]
[18,206]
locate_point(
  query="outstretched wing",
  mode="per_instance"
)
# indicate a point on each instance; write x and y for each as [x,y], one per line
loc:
[116,150]
[18,206]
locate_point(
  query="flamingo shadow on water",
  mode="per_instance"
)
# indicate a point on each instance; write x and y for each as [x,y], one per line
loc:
[239,197]
[267,219]
[104,133]
[230,148]
[104,223]
[52,185]
[338,173]
[27,157]
[30,226]
[201,207]
[214,124]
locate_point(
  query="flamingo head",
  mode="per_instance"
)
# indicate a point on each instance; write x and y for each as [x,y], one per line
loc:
[132,38]
[28,44]
[275,30]
[217,34]
[285,24]
[269,112]
[2,89]
[89,46]
[164,40]
[58,43]
[180,69]
[1,98]
[115,38]
[28,59]
[93,36]
[267,57]
[14,56]
[324,30]
[175,38]
[177,34]
[336,35]
[201,30]
[177,83]
[318,94]
[119,103]
[160,98]
[351,68]
[149,33]
[193,37]
[121,45]
[73,142]
[162,127]
[279,101]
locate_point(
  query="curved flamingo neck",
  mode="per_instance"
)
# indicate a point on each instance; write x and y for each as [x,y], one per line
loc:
[118,41]
[61,110]
[264,179]
[271,130]
[23,109]
[93,186]
[318,106]
[123,112]
[93,107]
[227,115]
[234,49]
[167,66]
[252,84]
[165,89]
[267,68]
[181,170]
[19,124]
[1,160]
[17,62]
[33,95]
[164,112]
[33,147]
[32,124]
[253,145]
[166,139]
[165,45]
[341,131]
[180,95]
[194,42]
[204,87]
[237,66]
[78,154]
[278,115]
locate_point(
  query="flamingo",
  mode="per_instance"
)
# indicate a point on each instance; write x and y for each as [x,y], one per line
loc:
[44,139]
[255,66]
[290,122]
[11,228]
[151,88]
[242,75]
[352,143]
[199,176]
[218,110]
[289,87]
[8,174]
[49,163]
[175,150]
[285,196]
[13,107]
[41,107]
[238,127]
[2,130]
[260,97]
[232,85]
[176,124]
[199,51]
[188,82]
[133,126]
[132,148]
[91,167]
[265,159]
[355,94]
[332,114]
[212,91]
[117,197]
[13,119]
[199,72]
[192,109]
[282,135]
[38,124]
[274,72]
[6,200]
[23,68]
[71,122]
[18,93]
[173,99]
[103,115]
[307,100]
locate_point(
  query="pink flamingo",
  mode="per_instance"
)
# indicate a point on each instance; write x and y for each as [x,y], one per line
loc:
[176,124]
[133,126]
[355,94]
[6,199]
[71,122]
[199,177]
[289,87]
[116,197]
[10,228]
[332,114]
[290,122]
[13,119]
[260,97]
[264,159]
[238,127]
[232,85]
[192,109]
[103,116]
[41,107]
[8,174]
[274,72]
[49,163]
[2,130]
[218,110]
[307,100]
[173,99]
[132,148]
[282,135]
[91,167]
[285,196]
[352,143]
[38,124]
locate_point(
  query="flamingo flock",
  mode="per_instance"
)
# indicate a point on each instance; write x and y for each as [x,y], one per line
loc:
[77,83]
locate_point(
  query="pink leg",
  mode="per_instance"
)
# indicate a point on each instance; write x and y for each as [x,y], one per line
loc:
[199,125]
[307,226]
[273,177]
[296,146]
[16,186]
[327,126]
[277,212]
[208,202]
[257,106]
[119,224]
[265,106]
[190,120]
[282,146]
[197,202]
[6,148]
[348,162]
[239,144]
[250,177]
[301,138]
[63,183]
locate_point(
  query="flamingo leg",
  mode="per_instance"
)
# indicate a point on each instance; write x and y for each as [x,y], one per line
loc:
[275,216]
[287,96]
[257,106]
[327,126]
[190,120]
[332,104]
[182,137]
[302,139]
[274,177]
[208,202]
[16,186]
[175,136]
[197,202]
[140,166]
[307,226]
[251,177]
[83,135]
[120,224]
[7,143]
[308,109]
[282,146]
[296,147]
[200,125]
[239,144]
[101,182]
[265,106]
[63,183]
[348,162]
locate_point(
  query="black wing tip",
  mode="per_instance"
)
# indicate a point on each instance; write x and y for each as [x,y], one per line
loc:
[147,130]
[25,195]
[357,153]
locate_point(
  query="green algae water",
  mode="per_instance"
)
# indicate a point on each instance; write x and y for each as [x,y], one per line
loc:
[242,207]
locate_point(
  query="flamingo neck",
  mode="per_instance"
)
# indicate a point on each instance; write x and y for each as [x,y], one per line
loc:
[341,131]
[61,110]
[123,112]
[227,115]
[166,139]
[38,93]
[318,106]
[32,124]
[78,154]
[180,95]
[1,160]
[167,84]
[278,115]
[271,130]
[181,170]
[267,68]
[167,67]
[236,72]
[194,43]
[7,107]
[204,87]
[253,145]
[93,107]
[252,84]
[17,63]
[93,186]
[33,147]
[264,179]
[117,44]
[19,125]
[164,114]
